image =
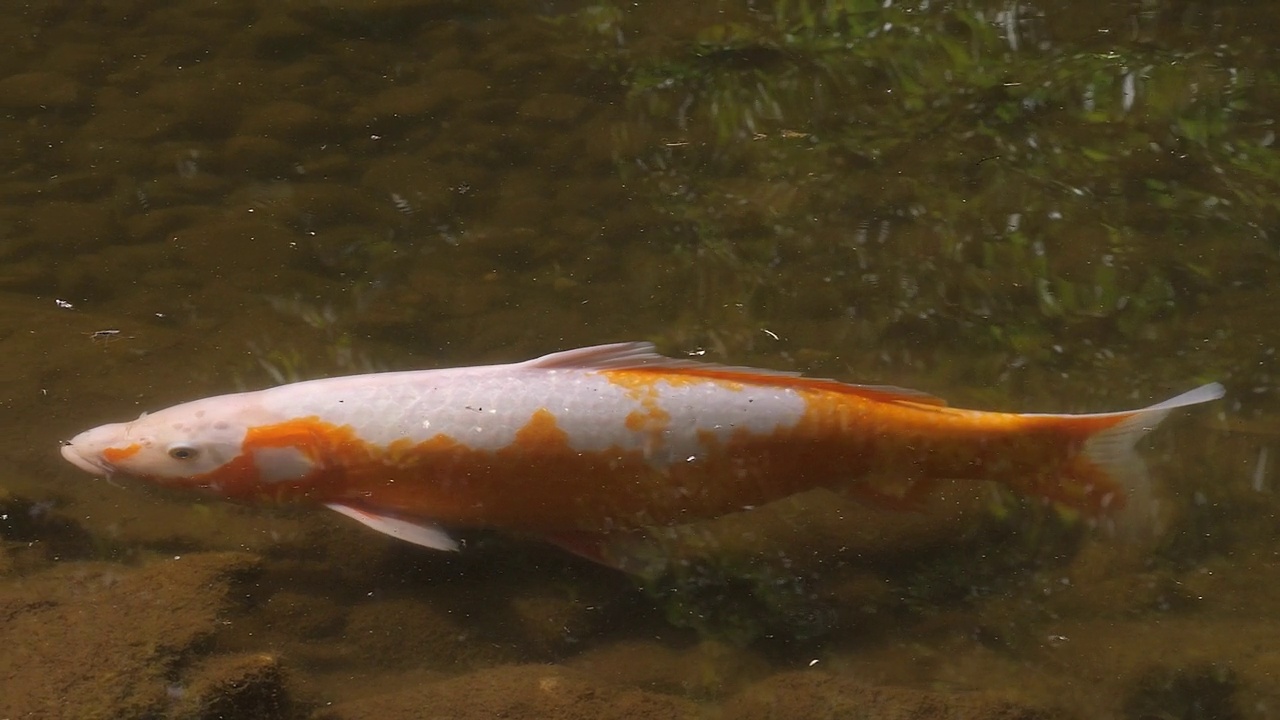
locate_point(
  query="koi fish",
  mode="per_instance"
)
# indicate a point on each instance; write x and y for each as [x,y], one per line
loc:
[577,445]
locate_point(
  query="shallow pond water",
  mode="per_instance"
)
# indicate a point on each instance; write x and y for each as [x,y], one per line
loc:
[1037,206]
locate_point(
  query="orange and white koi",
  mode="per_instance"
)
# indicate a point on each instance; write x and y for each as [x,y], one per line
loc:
[576,445]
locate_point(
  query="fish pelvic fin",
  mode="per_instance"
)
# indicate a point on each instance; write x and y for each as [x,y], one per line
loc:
[418,533]
[1108,481]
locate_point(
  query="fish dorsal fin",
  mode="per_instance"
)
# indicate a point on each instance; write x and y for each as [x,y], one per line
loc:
[642,357]
[615,356]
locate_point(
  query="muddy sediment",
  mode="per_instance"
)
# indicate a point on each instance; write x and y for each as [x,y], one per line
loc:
[102,640]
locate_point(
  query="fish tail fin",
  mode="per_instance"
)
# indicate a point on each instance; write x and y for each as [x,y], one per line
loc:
[1108,480]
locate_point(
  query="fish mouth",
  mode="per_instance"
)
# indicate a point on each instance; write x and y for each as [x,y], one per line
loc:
[73,456]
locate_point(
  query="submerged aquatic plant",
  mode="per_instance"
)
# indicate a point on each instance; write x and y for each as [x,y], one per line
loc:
[741,602]
[908,175]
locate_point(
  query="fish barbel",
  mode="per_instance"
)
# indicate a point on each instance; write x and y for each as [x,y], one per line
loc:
[576,445]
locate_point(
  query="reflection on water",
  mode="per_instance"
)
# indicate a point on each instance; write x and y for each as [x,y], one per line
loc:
[1036,206]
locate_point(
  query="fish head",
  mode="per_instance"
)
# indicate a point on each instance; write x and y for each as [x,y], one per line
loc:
[197,445]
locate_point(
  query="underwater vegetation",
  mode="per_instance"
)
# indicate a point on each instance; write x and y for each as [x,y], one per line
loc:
[948,172]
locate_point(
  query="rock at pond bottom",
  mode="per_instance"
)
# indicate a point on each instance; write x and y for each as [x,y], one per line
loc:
[526,692]
[233,686]
[409,632]
[102,640]
[821,696]
[516,692]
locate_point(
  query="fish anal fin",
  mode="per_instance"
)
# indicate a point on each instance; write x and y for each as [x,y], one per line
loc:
[591,546]
[631,551]
[418,533]
[641,357]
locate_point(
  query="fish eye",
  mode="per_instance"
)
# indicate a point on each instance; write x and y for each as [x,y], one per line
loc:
[182,452]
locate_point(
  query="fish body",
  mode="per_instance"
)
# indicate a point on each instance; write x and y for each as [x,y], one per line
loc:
[613,438]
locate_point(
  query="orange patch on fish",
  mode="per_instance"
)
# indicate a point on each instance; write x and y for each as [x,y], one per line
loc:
[643,387]
[540,484]
[541,430]
[115,455]
[299,432]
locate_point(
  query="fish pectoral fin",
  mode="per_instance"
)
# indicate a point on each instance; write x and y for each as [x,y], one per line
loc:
[418,533]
